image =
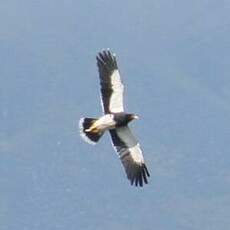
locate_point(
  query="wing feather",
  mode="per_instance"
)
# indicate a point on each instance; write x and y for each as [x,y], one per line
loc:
[130,155]
[110,81]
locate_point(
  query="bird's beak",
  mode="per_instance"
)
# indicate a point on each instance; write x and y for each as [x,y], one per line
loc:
[135,117]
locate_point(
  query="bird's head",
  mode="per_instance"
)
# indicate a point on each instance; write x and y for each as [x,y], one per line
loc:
[131,117]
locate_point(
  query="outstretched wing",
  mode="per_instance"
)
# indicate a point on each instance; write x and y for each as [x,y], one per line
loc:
[130,154]
[111,85]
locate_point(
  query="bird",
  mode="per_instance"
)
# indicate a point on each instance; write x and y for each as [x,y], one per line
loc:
[115,121]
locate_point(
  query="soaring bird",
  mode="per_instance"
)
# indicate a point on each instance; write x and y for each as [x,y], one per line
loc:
[115,120]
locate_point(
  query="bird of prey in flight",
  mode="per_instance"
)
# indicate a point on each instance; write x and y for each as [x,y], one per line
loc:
[115,120]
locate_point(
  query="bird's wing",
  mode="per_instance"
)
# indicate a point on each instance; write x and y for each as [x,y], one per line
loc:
[130,155]
[110,81]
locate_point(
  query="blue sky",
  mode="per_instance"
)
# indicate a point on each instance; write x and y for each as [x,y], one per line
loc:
[174,60]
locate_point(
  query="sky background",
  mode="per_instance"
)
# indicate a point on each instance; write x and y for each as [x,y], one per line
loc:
[174,61]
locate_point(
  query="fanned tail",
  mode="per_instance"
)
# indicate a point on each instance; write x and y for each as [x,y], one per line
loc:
[88,134]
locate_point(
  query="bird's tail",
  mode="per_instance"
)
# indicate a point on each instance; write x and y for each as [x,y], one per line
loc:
[87,130]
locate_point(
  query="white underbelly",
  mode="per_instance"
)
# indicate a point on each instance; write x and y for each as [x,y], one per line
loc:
[105,122]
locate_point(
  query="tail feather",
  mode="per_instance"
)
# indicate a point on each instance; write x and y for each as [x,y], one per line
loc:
[92,137]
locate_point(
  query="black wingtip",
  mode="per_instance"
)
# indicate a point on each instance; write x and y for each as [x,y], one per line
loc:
[140,177]
[107,58]
[146,170]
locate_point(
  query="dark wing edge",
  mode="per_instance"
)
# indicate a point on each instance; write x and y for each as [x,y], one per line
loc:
[111,86]
[135,169]
[130,155]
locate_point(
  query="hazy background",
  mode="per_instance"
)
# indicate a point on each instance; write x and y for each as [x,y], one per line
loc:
[174,60]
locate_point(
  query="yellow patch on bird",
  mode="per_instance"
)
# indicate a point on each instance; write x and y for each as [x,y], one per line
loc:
[95,130]
[92,129]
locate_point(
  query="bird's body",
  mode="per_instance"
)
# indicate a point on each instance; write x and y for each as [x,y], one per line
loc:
[115,120]
[111,121]
[103,123]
